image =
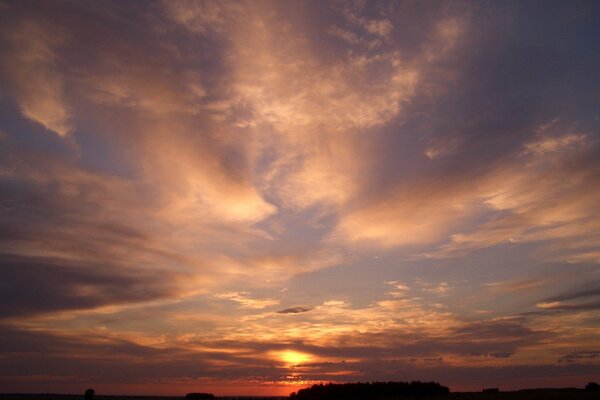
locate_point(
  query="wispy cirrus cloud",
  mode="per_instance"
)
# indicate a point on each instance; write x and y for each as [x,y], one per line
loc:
[33,73]
[246,301]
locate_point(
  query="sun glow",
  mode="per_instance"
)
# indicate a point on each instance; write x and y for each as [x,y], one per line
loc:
[292,357]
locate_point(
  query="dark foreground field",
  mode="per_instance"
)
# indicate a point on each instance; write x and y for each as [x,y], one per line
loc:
[538,394]
[526,395]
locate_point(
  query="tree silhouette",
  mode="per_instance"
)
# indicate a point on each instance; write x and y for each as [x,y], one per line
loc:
[89,394]
[375,390]
[592,387]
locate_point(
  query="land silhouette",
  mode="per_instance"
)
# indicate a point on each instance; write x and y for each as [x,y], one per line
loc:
[434,391]
[414,390]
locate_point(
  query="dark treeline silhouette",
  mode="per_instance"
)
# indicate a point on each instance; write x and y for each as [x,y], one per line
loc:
[592,387]
[374,390]
[199,396]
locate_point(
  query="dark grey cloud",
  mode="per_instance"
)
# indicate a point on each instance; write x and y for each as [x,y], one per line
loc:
[66,209]
[594,291]
[579,356]
[490,330]
[586,298]
[294,310]
[576,307]
[98,258]
[35,285]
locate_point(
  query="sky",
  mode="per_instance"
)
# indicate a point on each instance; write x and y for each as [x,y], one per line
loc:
[250,197]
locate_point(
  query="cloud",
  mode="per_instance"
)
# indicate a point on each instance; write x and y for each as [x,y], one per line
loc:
[578,356]
[528,197]
[33,74]
[246,301]
[586,293]
[472,190]
[294,310]
[202,17]
[345,35]
[581,300]
[533,216]
[124,79]
[441,147]
[375,26]
[389,328]
[36,286]
[310,104]
[404,219]
[545,145]
[152,91]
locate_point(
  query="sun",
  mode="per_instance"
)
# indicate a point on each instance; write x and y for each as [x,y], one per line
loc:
[292,357]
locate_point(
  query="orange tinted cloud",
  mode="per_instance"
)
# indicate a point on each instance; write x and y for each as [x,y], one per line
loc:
[35,77]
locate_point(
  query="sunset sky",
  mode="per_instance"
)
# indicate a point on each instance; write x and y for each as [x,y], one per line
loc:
[250,197]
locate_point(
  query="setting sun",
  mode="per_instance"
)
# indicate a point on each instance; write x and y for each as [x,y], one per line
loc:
[292,357]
